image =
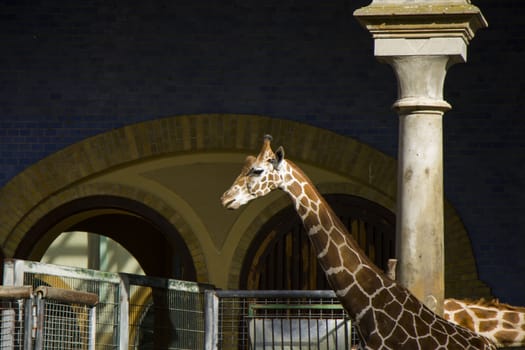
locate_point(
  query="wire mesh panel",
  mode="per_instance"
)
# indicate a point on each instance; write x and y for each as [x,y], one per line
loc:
[15,317]
[65,319]
[165,314]
[283,320]
[291,326]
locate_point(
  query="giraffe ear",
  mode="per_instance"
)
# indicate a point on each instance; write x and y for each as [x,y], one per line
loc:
[279,156]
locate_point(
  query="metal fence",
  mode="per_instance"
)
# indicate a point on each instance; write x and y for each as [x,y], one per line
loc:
[106,286]
[65,319]
[134,312]
[139,312]
[282,320]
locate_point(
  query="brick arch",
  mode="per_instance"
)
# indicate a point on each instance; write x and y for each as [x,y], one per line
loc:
[136,226]
[36,190]
[84,192]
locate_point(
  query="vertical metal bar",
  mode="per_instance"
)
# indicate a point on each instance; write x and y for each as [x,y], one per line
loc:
[273,332]
[282,331]
[92,327]
[211,320]
[318,334]
[123,312]
[336,330]
[309,328]
[28,323]
[298,320]
[39,322]
[347,344]
[254,341]
[263,336]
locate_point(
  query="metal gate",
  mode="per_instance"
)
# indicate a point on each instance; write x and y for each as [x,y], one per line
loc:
[65,319]
[46,318]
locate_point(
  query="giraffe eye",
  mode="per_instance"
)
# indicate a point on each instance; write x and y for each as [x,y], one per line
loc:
[254,171]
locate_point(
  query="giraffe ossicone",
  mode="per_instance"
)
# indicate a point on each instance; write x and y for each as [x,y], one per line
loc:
[387,315]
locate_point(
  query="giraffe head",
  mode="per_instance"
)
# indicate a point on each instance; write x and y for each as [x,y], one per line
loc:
[259,176]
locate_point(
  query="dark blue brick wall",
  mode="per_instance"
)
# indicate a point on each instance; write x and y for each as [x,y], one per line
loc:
[485,147]
[70,70]
[101,65]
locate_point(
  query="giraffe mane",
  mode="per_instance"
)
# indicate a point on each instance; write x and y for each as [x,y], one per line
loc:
[496,303]
[247,164]
[493,303]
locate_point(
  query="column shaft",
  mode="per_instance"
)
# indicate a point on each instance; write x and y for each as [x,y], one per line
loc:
[420,208]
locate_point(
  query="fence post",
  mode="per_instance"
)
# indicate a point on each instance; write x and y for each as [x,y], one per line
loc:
[92,327]
[38,322]
[211,317]
[123,312]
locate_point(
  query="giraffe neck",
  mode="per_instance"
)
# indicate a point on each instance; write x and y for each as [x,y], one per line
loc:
[386,314]
[354,278]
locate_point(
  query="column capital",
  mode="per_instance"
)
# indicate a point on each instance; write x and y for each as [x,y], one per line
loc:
[420,80]
[401,27]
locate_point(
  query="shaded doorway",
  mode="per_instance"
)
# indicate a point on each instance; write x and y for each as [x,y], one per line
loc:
[145,234]
[282,258]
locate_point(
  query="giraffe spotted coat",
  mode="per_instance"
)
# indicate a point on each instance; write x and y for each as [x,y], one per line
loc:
[387,315]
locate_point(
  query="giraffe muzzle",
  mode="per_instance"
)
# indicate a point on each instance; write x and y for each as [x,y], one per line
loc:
[229,202]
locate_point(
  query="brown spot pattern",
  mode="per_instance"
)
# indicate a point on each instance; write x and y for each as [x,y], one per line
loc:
[506,337]
[512,317]
[368,280]
[485,326]
[394,319]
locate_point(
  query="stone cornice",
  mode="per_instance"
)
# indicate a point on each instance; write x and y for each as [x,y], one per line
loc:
[421,20]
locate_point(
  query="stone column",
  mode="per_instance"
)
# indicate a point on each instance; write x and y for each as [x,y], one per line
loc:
[421,40]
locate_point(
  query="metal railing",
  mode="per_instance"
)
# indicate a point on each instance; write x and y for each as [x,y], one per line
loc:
[140,312]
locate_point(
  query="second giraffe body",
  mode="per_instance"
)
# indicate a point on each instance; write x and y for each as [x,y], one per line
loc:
[503,323]
[387,315]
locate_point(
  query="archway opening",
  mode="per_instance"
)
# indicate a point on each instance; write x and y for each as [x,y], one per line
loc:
[90,250]
[149,237]
[282,258]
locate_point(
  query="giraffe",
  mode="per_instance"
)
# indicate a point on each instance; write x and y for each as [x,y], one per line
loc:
[503,323]
[386,315]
